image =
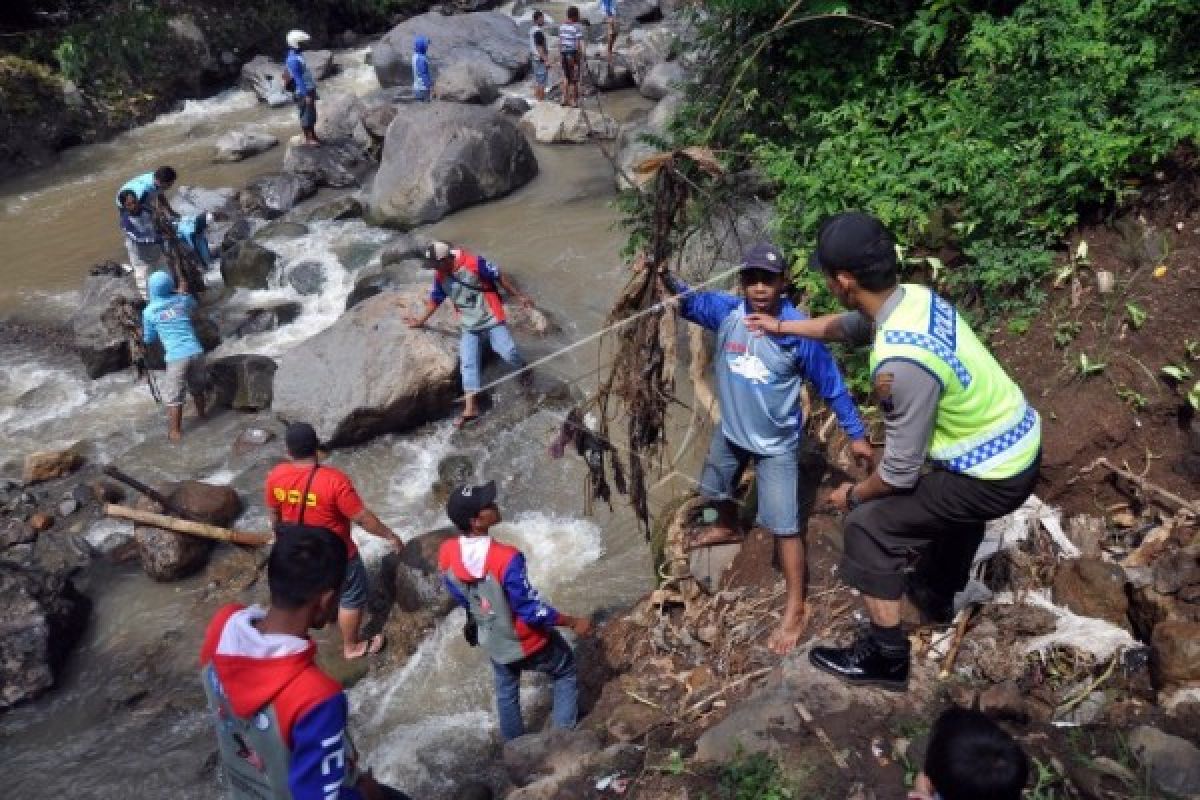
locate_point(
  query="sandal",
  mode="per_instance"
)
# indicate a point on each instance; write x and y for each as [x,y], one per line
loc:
[711,536]
[371,647]
[464,420]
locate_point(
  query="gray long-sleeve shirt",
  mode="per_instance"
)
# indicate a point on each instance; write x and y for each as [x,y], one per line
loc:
[908,396]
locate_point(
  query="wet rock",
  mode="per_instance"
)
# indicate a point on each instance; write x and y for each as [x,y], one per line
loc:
[321,63]
[632,147]
[662,79]
[1176,645]
[1175,570]
[44,616]
[639,10]
[749,728]
[631,721]
[281,229]
[170,556]
[647,49]
[367,286]
[453,470]
[490,40]
[465,82]
[252,439]
[109,538]
[445,156]
[307,277]
[260,320]
[109,296]
[553,752]
[405,378]
[337,164]
[67,506]
[272,196]
[513,105]
[249,267]
[609,77]
[1171,763]
[264,77]
[413,575]
[340,209]
[193,200]
[237,145]
[47,465]
[14,532]
[404,247]
[1093,588]
[1004,701]
[551,123]
[206,502]
[242,382]
[376,120]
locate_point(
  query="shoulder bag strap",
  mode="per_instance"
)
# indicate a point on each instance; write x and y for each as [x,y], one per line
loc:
[304,496]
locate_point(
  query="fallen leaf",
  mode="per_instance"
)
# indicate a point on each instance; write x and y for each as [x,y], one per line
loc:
[1160,270]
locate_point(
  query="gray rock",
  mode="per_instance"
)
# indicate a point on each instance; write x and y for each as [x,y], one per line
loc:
[639,10]
[249,267]
[108,537]
[465,82]
[553,752]
[648,48]
[337,164]
[44,616]
[261,320]
[750,727]
[414,578]
[339,115]
[271,196]
[1171,763]
[404,247]
[550,123]
[194,200]
[340,209]
[513,105]
[662,79]
[14,531]
[251,440]
[488,39]
[67,506]
[237,145]
[188,33]
[243,382]
[821,693]
[444,156]
[632,144]
[307,277]
[281,229]
[170,556]
[263,76]
[405,378]
[375,121]
[609,77]
[102,341]
[366,286]
[321,63]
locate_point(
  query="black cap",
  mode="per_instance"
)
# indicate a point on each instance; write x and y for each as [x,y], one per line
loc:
[467,501]
[851,241]
[764,256]
[301,440]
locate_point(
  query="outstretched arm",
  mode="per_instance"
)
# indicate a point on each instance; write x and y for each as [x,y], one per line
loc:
[512,289]
[827,328]
[373,525]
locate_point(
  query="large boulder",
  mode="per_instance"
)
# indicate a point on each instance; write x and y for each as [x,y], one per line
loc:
[551,123]
[264,77]
[261,320]
[336,164]
[632,144]
[169,556]
[272,196]
[236,145]
[243,382]
[647,49]
[321,63]
[1176,646]
[339,115]
[306,277]
[466,82]
[489,39]
[350,392]
[44,616]
[608,77]
[441,157]
[662,79]
[248,266]
[629,11]
[1171,763]
[109,314]
[194,200]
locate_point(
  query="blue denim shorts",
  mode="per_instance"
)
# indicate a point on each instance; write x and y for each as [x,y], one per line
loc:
[540,73]
[777,478]
[354,589]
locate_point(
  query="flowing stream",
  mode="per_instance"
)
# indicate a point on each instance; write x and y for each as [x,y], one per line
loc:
[422,725]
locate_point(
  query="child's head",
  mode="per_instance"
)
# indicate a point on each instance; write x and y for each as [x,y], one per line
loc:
[129,201]
[972,758]
[165,176]
[573,14]
[538,18]
[306,570]
[421,45]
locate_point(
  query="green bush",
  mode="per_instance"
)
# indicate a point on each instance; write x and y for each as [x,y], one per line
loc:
[978,129]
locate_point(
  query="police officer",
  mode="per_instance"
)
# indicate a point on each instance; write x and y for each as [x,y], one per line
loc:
[945,401]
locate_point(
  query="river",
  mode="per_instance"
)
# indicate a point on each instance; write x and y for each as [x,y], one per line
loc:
[423,726]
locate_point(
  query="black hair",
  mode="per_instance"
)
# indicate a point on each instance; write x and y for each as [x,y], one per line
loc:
[874,276]
[303,563]
[538,15]
[165,174]
[972,758]
[127,193]
[573,13]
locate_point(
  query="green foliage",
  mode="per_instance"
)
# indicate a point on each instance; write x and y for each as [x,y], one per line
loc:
[973,128]
[1136,314]
[71,59]
[1065,333]
[753,777]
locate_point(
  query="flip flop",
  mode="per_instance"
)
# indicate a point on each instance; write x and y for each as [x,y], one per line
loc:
[374,646]
[710,536]
[465,420]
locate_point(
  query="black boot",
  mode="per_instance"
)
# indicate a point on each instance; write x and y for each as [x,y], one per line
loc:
[866,662]
[935,608]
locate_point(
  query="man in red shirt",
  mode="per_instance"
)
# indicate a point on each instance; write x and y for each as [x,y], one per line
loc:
[330,502]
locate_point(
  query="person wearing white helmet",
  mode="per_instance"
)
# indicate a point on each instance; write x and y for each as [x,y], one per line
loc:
[299,79]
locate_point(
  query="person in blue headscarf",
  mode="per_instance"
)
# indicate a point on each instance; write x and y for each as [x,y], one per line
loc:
[422,77]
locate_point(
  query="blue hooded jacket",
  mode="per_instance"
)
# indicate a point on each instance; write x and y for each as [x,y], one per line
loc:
[422,79]
[168,316]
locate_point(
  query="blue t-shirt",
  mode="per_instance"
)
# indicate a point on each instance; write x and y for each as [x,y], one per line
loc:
[141,185]
[422,79]
[170,319]
[759,378]
[609,7]
[140,228]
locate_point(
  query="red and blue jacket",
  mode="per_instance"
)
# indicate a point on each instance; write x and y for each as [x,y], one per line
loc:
[472,279]
[280,720]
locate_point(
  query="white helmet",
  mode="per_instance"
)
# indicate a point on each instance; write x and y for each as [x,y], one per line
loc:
[297,38]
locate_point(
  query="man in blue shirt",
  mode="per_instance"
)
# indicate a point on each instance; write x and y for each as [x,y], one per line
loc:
[759,380]
[304,86]
[168,317]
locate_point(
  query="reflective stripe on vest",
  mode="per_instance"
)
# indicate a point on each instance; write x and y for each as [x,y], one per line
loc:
[984,428]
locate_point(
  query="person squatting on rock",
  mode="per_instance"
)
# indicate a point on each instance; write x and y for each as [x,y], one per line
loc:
[422,77]
[570,48]
[470,282]
[302,85]
[539,55]
[303,494]
[759,381]
[505,615]
[970,758]
[281,721]
[945,398]
[168,317]
[137,201]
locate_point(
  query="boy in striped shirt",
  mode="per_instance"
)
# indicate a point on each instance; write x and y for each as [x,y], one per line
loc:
[570,46]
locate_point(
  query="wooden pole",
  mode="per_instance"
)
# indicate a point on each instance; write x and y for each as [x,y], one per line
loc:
[113,472]
[189,527]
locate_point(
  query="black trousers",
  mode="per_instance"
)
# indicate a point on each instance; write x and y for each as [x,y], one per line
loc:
[941,520]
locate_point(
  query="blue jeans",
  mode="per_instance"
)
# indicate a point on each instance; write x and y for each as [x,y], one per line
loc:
[777,478]
[555,660]
[469,352]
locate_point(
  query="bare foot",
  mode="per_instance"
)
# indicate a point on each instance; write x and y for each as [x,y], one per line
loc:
[175,436]
[785,638]
[364,648]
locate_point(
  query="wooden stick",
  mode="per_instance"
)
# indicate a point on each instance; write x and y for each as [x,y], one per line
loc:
[1169,499]
[960,630]
[189,527]
[113,472]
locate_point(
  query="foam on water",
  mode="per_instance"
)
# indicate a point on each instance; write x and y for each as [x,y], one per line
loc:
[205,109]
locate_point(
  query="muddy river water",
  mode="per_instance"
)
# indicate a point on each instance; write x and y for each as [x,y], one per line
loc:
[423,724]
